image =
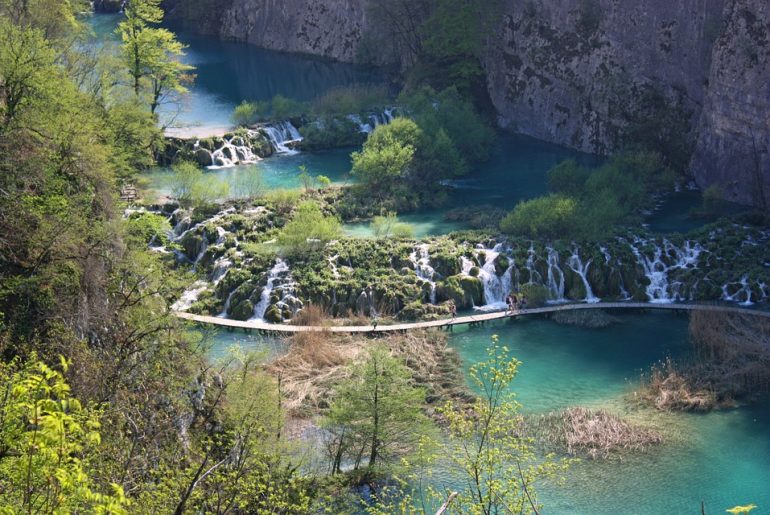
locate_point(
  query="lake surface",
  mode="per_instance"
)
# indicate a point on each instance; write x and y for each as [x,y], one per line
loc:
[722,458]
[229,72]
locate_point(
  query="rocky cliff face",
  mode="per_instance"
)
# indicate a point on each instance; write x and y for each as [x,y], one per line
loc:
[689,75]
[585,72]
[733,133]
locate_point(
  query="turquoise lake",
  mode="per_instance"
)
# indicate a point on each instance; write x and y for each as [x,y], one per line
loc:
[721,458]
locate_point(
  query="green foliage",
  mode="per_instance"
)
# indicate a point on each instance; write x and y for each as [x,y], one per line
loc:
[376,413]
[278,108]
[151,54]
[536,294]
[545,217]
[590,204]
[135,135]
[453,39]
[249,183]
[713,199]
[386,156]
[309,229]
[245,113]
[282,200]
[386,226]
[46,437]
[497,467]
[147,227]
[357,99]
[284,108]
[192,188]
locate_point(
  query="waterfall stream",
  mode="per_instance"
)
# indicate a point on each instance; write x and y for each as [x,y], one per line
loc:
[282,135]
[421,261]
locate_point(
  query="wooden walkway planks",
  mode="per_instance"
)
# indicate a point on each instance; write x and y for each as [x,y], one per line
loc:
[471,319]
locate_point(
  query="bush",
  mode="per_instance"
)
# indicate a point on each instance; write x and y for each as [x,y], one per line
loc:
[249,183]
[351,100]
[148,227]
[388,225]
[192,188]
[283,201]
[308,230]
[386,156]
[536,294]
[550,217]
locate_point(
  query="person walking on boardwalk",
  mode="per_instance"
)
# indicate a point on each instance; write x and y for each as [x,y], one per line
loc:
[453,310]
[374,323]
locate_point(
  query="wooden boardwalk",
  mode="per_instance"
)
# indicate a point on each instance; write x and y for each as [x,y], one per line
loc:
[480,318]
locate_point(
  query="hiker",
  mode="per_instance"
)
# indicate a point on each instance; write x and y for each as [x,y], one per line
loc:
[453,310]
[374,323]
[514,303]
[509,304]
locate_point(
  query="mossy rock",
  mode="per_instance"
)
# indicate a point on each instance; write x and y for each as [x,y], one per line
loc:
[274,315]
[536,294]
[192,244]
[241,311]
[474,271]
[502,263]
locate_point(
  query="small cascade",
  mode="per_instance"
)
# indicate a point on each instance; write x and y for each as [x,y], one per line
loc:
[364,128]
[223,314]
[422,268]
[534,275]
[233,152]
[743,292]
[656,269]
[496,288]
[577,266]
[282,136]
[555,283]
[221,266]
[281,268]
[333,265]
[189,297]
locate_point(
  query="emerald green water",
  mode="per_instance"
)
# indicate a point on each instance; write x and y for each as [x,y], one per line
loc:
[277,172]
[722,458]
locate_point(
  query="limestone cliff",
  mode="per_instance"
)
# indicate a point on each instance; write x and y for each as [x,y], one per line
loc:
[733,133]
[689,76]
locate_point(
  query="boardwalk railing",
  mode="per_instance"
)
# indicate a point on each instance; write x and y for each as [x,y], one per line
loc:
[464,320]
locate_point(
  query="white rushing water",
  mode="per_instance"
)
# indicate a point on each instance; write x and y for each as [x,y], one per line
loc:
[660,263]
[282,135]
[555,283]
[743,292]
[580,268]
[274,273]
[421,261]
[234,151]
[189,297]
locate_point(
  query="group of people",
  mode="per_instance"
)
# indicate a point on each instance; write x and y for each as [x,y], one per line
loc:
[515,303]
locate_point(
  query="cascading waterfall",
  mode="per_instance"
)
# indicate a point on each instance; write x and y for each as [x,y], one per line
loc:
[189,297]
[495,287]
[555,278]
[233,152]
[273,274]
[655,268]
[534,275]
[744,291]
[421,261]
[282,135]
[577,266]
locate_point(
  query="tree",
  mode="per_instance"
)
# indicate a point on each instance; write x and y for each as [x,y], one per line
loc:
[553,216]
[309,229]
[387,225]
[46,437]
[151,54]
[376,414]
[250,183]
[191,187]
[387,156]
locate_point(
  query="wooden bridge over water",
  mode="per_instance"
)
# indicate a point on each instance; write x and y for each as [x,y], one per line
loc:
[448,323]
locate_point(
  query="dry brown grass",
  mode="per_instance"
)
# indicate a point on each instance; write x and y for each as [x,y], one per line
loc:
[317,361]
[595,434]
[311,315]
[732,360]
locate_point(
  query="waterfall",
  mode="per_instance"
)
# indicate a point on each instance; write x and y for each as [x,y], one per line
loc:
[274,273]
[421,261]
[495,287]
[233,152]
[223,314]
[577,266]
[189,297]
[333,265]
[221,266]
[744,289]
[534,275]
[655,268]
[364,128]
[282,135]
[555,277]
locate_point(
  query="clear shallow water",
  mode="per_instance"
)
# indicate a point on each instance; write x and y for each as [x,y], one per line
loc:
[220,343]
[228,72]
[675,213]
[278,172]
[722,458]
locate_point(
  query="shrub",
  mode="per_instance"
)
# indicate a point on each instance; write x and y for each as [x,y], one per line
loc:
[148,227]
[351,100]
[308,230]
[385,226]
[536,294]
[551,217]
